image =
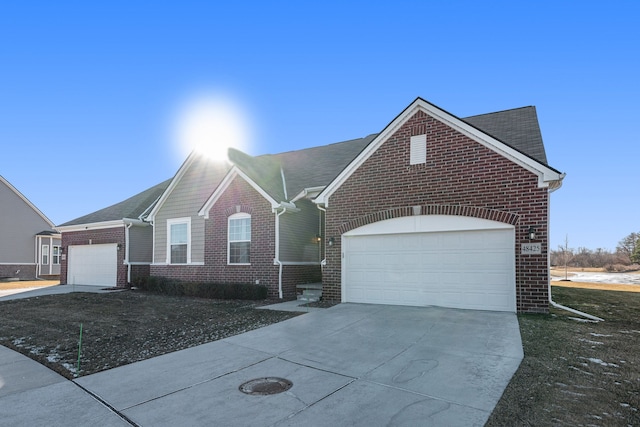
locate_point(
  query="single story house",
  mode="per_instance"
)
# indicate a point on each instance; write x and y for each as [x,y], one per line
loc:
[433,210]
[29,247]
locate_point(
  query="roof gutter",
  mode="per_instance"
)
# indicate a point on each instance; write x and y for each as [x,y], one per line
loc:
[556,184]
[309,193]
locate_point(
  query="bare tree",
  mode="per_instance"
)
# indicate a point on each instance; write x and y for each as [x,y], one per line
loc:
[629,247]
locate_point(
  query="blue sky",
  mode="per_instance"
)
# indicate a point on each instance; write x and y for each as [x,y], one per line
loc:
[89,90]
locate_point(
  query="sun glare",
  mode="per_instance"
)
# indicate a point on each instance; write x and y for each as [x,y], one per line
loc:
[210,125]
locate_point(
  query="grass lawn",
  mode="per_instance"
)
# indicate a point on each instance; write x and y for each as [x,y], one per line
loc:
[577,373]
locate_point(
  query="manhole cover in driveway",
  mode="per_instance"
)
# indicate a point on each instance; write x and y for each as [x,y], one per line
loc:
[265,386]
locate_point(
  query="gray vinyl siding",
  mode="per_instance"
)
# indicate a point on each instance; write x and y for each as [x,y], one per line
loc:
[140,244]
[50,268]
[185,201]
[298,232]
[19,224]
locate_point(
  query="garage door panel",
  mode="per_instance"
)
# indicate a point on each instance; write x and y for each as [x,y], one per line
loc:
[92,265]
[459,269]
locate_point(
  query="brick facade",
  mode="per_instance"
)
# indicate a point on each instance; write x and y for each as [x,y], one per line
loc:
[20,271]
[241,197]
[95,237]
[460,177]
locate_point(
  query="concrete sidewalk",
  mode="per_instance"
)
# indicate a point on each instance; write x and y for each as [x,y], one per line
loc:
[352,364]
[51,290]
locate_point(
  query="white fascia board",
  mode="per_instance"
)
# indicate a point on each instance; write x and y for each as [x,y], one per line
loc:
[91,226]
[219,191]
[27,201]
[309,193]
[546,175]
[174,182]
[259,189]
[18,263]
[222,187]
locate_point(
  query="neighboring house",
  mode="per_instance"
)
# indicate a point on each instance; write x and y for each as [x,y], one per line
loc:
[434,210]
[112,246]
[29,247]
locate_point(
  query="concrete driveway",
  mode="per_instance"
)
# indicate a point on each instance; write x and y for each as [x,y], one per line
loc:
[352,364]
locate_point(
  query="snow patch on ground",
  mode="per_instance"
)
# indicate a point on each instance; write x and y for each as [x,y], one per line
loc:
[611,278]
[590,342]
[581,320]
[600,362]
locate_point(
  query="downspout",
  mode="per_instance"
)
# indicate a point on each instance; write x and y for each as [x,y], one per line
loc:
[323,262]
[38,272]
[50,254]
[126,252]
[551,301]
[277,258]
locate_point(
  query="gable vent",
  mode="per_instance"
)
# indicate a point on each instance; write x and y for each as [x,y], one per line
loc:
[418,150]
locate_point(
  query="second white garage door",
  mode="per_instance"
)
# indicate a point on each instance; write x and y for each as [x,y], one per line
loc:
[458,262]
[92,265]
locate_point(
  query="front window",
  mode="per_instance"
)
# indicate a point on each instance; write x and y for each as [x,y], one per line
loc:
[179,231]
[45,254]
[56,255]
[240,239]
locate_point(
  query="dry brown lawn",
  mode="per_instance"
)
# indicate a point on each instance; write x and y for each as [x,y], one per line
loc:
[5,286]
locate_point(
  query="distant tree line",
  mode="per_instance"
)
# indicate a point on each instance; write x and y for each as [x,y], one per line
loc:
[625,257]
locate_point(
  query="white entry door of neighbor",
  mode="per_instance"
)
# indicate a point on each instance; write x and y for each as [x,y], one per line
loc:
[471,269]
[92,265]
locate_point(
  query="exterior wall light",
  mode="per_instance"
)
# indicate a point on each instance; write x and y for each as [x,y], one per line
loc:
[331,241]
[532,233]
[119,246]
[318,238]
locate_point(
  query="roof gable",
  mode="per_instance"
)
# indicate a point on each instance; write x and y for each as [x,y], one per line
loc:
[547,176]
[234,173]
[26,201]
[194,164]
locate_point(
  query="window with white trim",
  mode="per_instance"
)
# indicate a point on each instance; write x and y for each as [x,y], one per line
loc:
[45,254]
[418,154]
[239,239]
[179,241]
[56,255]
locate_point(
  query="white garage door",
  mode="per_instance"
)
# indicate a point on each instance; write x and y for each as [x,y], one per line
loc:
[92,265]
[445,261]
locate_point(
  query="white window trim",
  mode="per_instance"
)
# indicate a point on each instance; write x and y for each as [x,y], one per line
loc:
[53,255]
[44,256]
[173,221]
[418,151]
[239,215]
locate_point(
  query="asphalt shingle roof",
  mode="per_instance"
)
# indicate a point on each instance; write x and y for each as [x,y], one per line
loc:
[517,128]
[133,207]
[318,166]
